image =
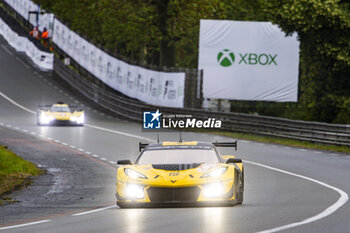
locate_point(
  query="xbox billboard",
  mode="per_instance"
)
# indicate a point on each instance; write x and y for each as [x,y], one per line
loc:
[248,61]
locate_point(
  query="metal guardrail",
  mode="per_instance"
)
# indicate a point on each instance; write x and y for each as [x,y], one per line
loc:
[19,24]
[132,109]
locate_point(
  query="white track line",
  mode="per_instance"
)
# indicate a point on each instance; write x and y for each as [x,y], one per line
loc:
[119,132]
[23,225]
[88,125]
[7,50]
[331,209]
[17,104]
[23,63]
[93,211]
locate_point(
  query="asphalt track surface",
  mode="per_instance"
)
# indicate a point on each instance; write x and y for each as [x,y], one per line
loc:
[286,189]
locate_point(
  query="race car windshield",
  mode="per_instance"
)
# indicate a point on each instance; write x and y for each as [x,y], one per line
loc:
[60,109]
[178,156]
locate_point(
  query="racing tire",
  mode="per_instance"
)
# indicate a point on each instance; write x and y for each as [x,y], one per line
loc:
[124,205]
[241,188]
[37,118]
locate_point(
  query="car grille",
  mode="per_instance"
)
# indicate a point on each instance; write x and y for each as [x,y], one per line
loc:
[175,167]
[185,194]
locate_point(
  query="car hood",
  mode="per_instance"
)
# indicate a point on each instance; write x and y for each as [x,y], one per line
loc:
[174,175]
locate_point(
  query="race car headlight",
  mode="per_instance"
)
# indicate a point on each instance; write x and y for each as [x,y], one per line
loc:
[215,173]
[134,191]
[213,190]
[134,174]
[45,119]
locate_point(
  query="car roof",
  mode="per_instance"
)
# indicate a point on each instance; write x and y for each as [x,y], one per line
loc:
[60,105]
[180,145]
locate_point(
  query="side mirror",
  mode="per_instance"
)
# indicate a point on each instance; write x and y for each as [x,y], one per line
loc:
[226,157]
[124,162]
[234,160]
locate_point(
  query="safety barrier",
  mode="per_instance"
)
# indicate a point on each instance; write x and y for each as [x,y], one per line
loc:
[132,109]
[17,37]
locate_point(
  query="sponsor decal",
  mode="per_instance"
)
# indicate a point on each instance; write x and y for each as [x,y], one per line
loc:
[258,59]
[152,120]
[158,120]
[226,58]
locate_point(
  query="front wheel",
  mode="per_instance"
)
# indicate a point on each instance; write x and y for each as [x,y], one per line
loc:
[240,188]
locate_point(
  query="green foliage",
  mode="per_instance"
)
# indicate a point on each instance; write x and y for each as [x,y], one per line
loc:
[11,163]
[323,27]
[150,31]
[165,32]
[14,170]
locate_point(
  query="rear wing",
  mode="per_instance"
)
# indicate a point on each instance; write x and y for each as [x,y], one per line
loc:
[44,106]
[76,108]
[142,146]
[226,144]
[73,108]
[216,144]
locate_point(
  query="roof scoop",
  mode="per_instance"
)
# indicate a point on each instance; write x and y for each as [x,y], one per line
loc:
[175,167]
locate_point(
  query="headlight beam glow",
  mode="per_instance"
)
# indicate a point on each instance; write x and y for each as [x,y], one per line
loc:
[134,191]
[213,190]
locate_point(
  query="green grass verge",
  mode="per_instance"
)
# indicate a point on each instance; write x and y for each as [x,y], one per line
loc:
[281,141]
[14,171]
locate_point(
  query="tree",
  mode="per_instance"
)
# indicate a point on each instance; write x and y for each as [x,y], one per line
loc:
[323,27]
[165,32]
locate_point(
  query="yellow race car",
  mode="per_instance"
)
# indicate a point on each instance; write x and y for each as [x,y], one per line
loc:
[60,114]
[180,173]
